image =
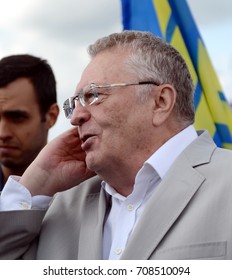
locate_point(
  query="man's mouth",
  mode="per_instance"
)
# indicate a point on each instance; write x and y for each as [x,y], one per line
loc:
[86,137]
[87,141]
[7,148]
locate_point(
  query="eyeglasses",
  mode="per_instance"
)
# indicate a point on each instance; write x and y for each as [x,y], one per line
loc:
[89,95]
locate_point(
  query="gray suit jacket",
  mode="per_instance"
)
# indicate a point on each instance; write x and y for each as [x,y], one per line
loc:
[189,216]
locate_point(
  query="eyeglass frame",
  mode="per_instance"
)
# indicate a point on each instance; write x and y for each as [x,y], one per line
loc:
[69,104]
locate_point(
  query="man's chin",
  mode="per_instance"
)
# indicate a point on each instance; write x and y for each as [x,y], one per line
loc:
[10,163]
[91,162]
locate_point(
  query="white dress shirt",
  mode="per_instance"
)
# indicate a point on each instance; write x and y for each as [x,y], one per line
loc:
[125,211]
[15,196]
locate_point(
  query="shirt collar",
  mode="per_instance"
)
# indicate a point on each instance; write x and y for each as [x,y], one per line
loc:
[165,156]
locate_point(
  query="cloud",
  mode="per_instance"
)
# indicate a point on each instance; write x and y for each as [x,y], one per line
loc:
[73,21]
[208,12]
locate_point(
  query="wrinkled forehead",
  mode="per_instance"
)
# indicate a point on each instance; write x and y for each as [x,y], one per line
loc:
[108,66]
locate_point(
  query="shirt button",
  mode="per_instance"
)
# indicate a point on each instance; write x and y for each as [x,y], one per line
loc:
[118,251]
[130,207]
[24,205]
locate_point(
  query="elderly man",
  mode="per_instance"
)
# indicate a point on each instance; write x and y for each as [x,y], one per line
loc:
[132,179]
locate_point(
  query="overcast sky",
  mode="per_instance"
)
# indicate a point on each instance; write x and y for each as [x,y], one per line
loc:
[60,31]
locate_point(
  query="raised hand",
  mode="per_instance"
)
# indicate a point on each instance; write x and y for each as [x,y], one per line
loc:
[58,167]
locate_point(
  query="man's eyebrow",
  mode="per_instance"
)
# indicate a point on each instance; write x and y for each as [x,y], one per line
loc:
[16,113]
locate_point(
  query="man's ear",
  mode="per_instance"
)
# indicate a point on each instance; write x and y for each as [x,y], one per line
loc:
[52,115]
[164,101]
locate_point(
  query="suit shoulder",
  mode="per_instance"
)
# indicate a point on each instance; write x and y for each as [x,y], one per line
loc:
[222,154]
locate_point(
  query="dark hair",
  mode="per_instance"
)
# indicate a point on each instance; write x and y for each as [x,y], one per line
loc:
[37,70]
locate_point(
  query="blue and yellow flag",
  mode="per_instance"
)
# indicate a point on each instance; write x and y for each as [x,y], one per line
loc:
[173,21]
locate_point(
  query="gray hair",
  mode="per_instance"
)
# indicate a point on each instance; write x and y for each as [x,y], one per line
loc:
[151,58]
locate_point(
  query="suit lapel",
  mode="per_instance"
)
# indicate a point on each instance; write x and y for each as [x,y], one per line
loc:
[90,242]
[169,200]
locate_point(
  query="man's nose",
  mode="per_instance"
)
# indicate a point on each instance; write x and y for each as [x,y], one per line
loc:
[80,115]
[5,130]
